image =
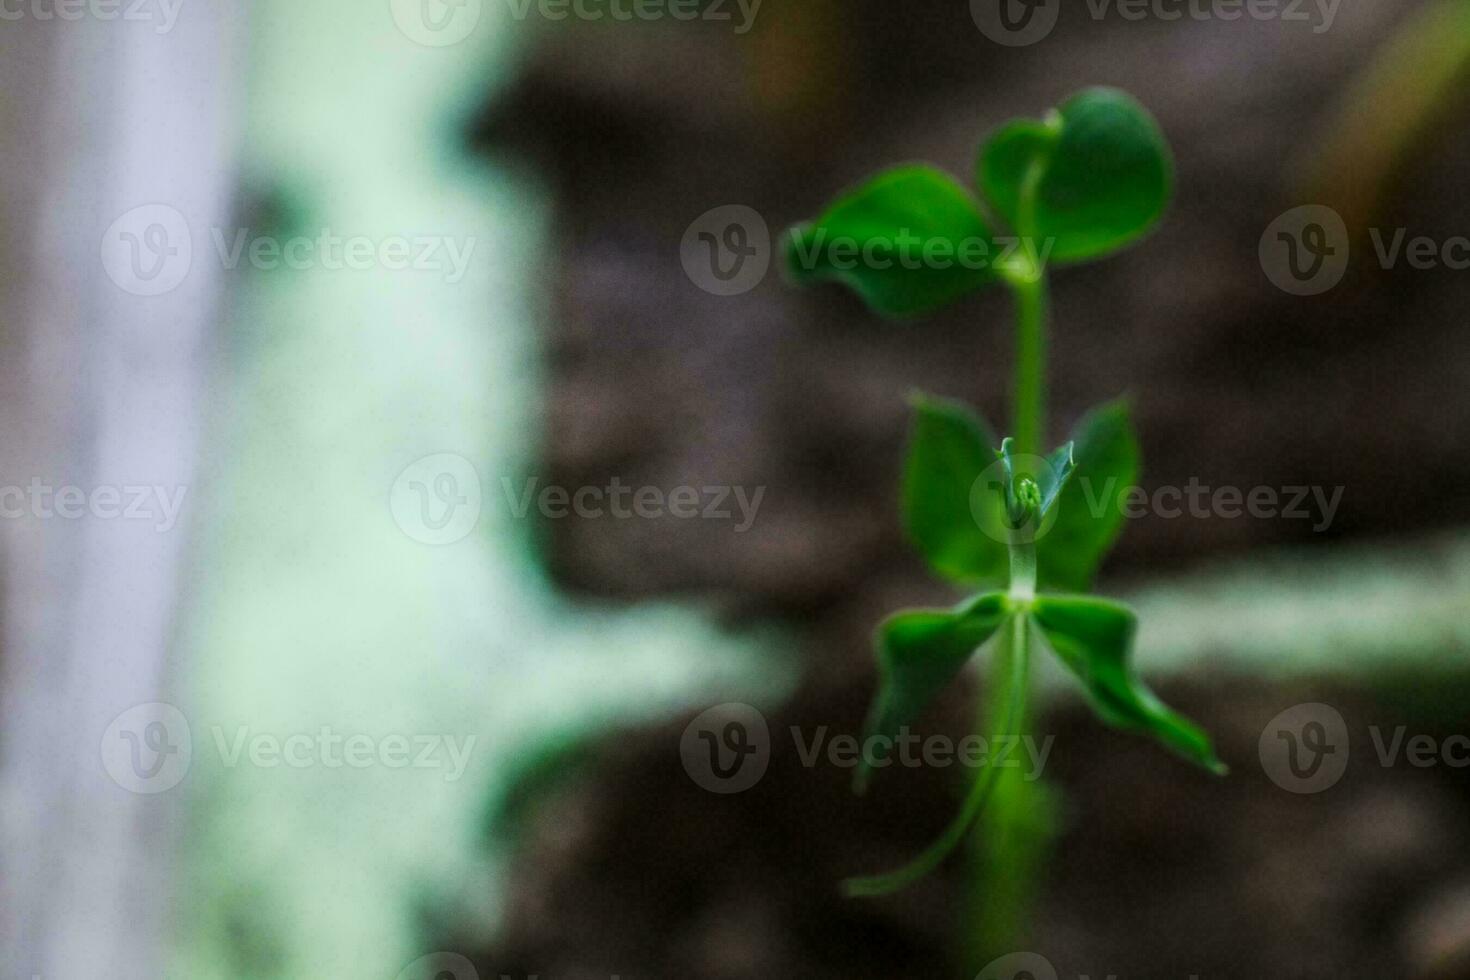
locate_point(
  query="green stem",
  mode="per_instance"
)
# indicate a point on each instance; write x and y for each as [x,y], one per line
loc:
[1023,572]
[1011,842]
[1027,279]
[1028,412]
[1010,683]
[1012,838]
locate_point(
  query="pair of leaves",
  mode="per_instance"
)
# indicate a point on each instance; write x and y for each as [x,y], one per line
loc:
[920,651]
[1089,179]
[954,516]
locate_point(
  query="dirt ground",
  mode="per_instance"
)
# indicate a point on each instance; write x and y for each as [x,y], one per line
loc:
[1158,870]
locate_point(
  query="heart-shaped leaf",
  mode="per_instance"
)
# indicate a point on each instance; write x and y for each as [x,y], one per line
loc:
[1092,177]
[1089,517]
[908,241]
[951,446]
[1094,639]
[919,652]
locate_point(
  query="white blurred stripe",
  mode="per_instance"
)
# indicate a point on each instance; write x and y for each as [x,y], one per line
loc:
[98,387]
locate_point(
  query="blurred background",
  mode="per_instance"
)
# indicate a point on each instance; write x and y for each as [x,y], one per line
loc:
[330,334]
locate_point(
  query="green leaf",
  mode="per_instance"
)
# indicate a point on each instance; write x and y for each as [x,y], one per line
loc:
[919,652]
[950,447]
[1099,169]
[908,241]
[1089,516]
[1094,639]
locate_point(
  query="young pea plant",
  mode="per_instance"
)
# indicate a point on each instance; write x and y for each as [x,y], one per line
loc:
[1090,178]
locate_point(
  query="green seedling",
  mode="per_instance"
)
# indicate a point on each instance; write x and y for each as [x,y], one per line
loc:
[1090,178]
